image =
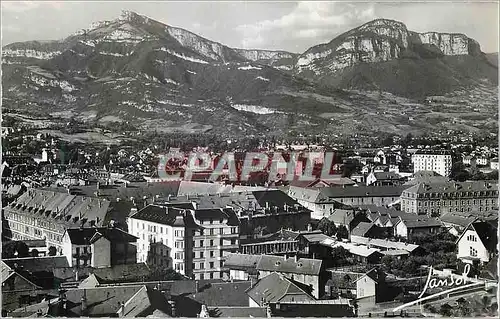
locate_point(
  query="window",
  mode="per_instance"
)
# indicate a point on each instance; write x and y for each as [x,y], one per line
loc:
[211,221]
[201,243]
[212,231]
[201,254]
[212,253]
[211,264]
[211,275]
[473,252]
[179,244]
[221,231]
[211,242]
[161,230]
[233,230]
[202,265]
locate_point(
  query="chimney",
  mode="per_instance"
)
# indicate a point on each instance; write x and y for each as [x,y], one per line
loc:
[121,311]
[296,258]
[267,205]
[173,311]
[84,304]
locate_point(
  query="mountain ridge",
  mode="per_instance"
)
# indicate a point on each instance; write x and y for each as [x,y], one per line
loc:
[137,68]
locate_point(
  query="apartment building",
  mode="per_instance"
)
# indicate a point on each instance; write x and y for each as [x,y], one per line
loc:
[161,232]
[42,214]
[185,236]
[437,161]
[438,198]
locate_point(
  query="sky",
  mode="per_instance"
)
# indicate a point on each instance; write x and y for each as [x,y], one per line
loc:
[290,26]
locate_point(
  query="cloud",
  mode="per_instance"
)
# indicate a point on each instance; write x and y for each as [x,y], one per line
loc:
[22,6]
[306,24]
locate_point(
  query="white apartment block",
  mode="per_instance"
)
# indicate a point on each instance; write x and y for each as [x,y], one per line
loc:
[162,240]
[438,162]
[191,240]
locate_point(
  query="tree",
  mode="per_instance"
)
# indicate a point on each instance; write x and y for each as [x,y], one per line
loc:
[342,232]
[446,310]
[15,249]
[327,227]
[340,256]
[52,251]
[459,173]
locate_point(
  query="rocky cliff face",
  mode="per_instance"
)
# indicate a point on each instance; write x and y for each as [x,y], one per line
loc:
[378,41]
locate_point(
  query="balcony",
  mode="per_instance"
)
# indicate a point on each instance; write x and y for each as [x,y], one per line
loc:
[227,247]
[229,235]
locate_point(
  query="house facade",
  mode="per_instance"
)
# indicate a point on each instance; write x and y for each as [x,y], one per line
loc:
[435,199]
[478,242]
[439,162]
[99,247]
[42,214]
[305,271]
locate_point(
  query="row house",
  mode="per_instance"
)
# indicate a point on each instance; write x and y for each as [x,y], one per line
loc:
[439,198]
[42,214]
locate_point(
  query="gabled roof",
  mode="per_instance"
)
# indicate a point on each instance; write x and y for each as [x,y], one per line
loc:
[383,243]
[37,264]
[60,208]
[102,301]
[314,237]
[241,261]
[486,231]
[86,236]
[6,271]
[453,187]
[422,222]
[229,294]
[362,229]
[374,274]
[274,287]
[161,214]
[386,176]
[358,250]
[290,265]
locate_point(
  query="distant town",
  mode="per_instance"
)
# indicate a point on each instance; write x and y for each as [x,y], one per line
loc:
[95,229]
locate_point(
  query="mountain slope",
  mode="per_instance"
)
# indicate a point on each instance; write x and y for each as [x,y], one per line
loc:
[140,69]
[384,55]
[160,77]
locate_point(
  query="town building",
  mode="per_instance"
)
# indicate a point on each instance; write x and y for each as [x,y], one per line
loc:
[407,228]
[41,214]
[478,242]
[99,247]
[494,163]
[161,237]
[193,235]
[456,222]
[302,270]
[241,266]
[437,161]
[276,287]
[327,201]
[384,179]
[439,198]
